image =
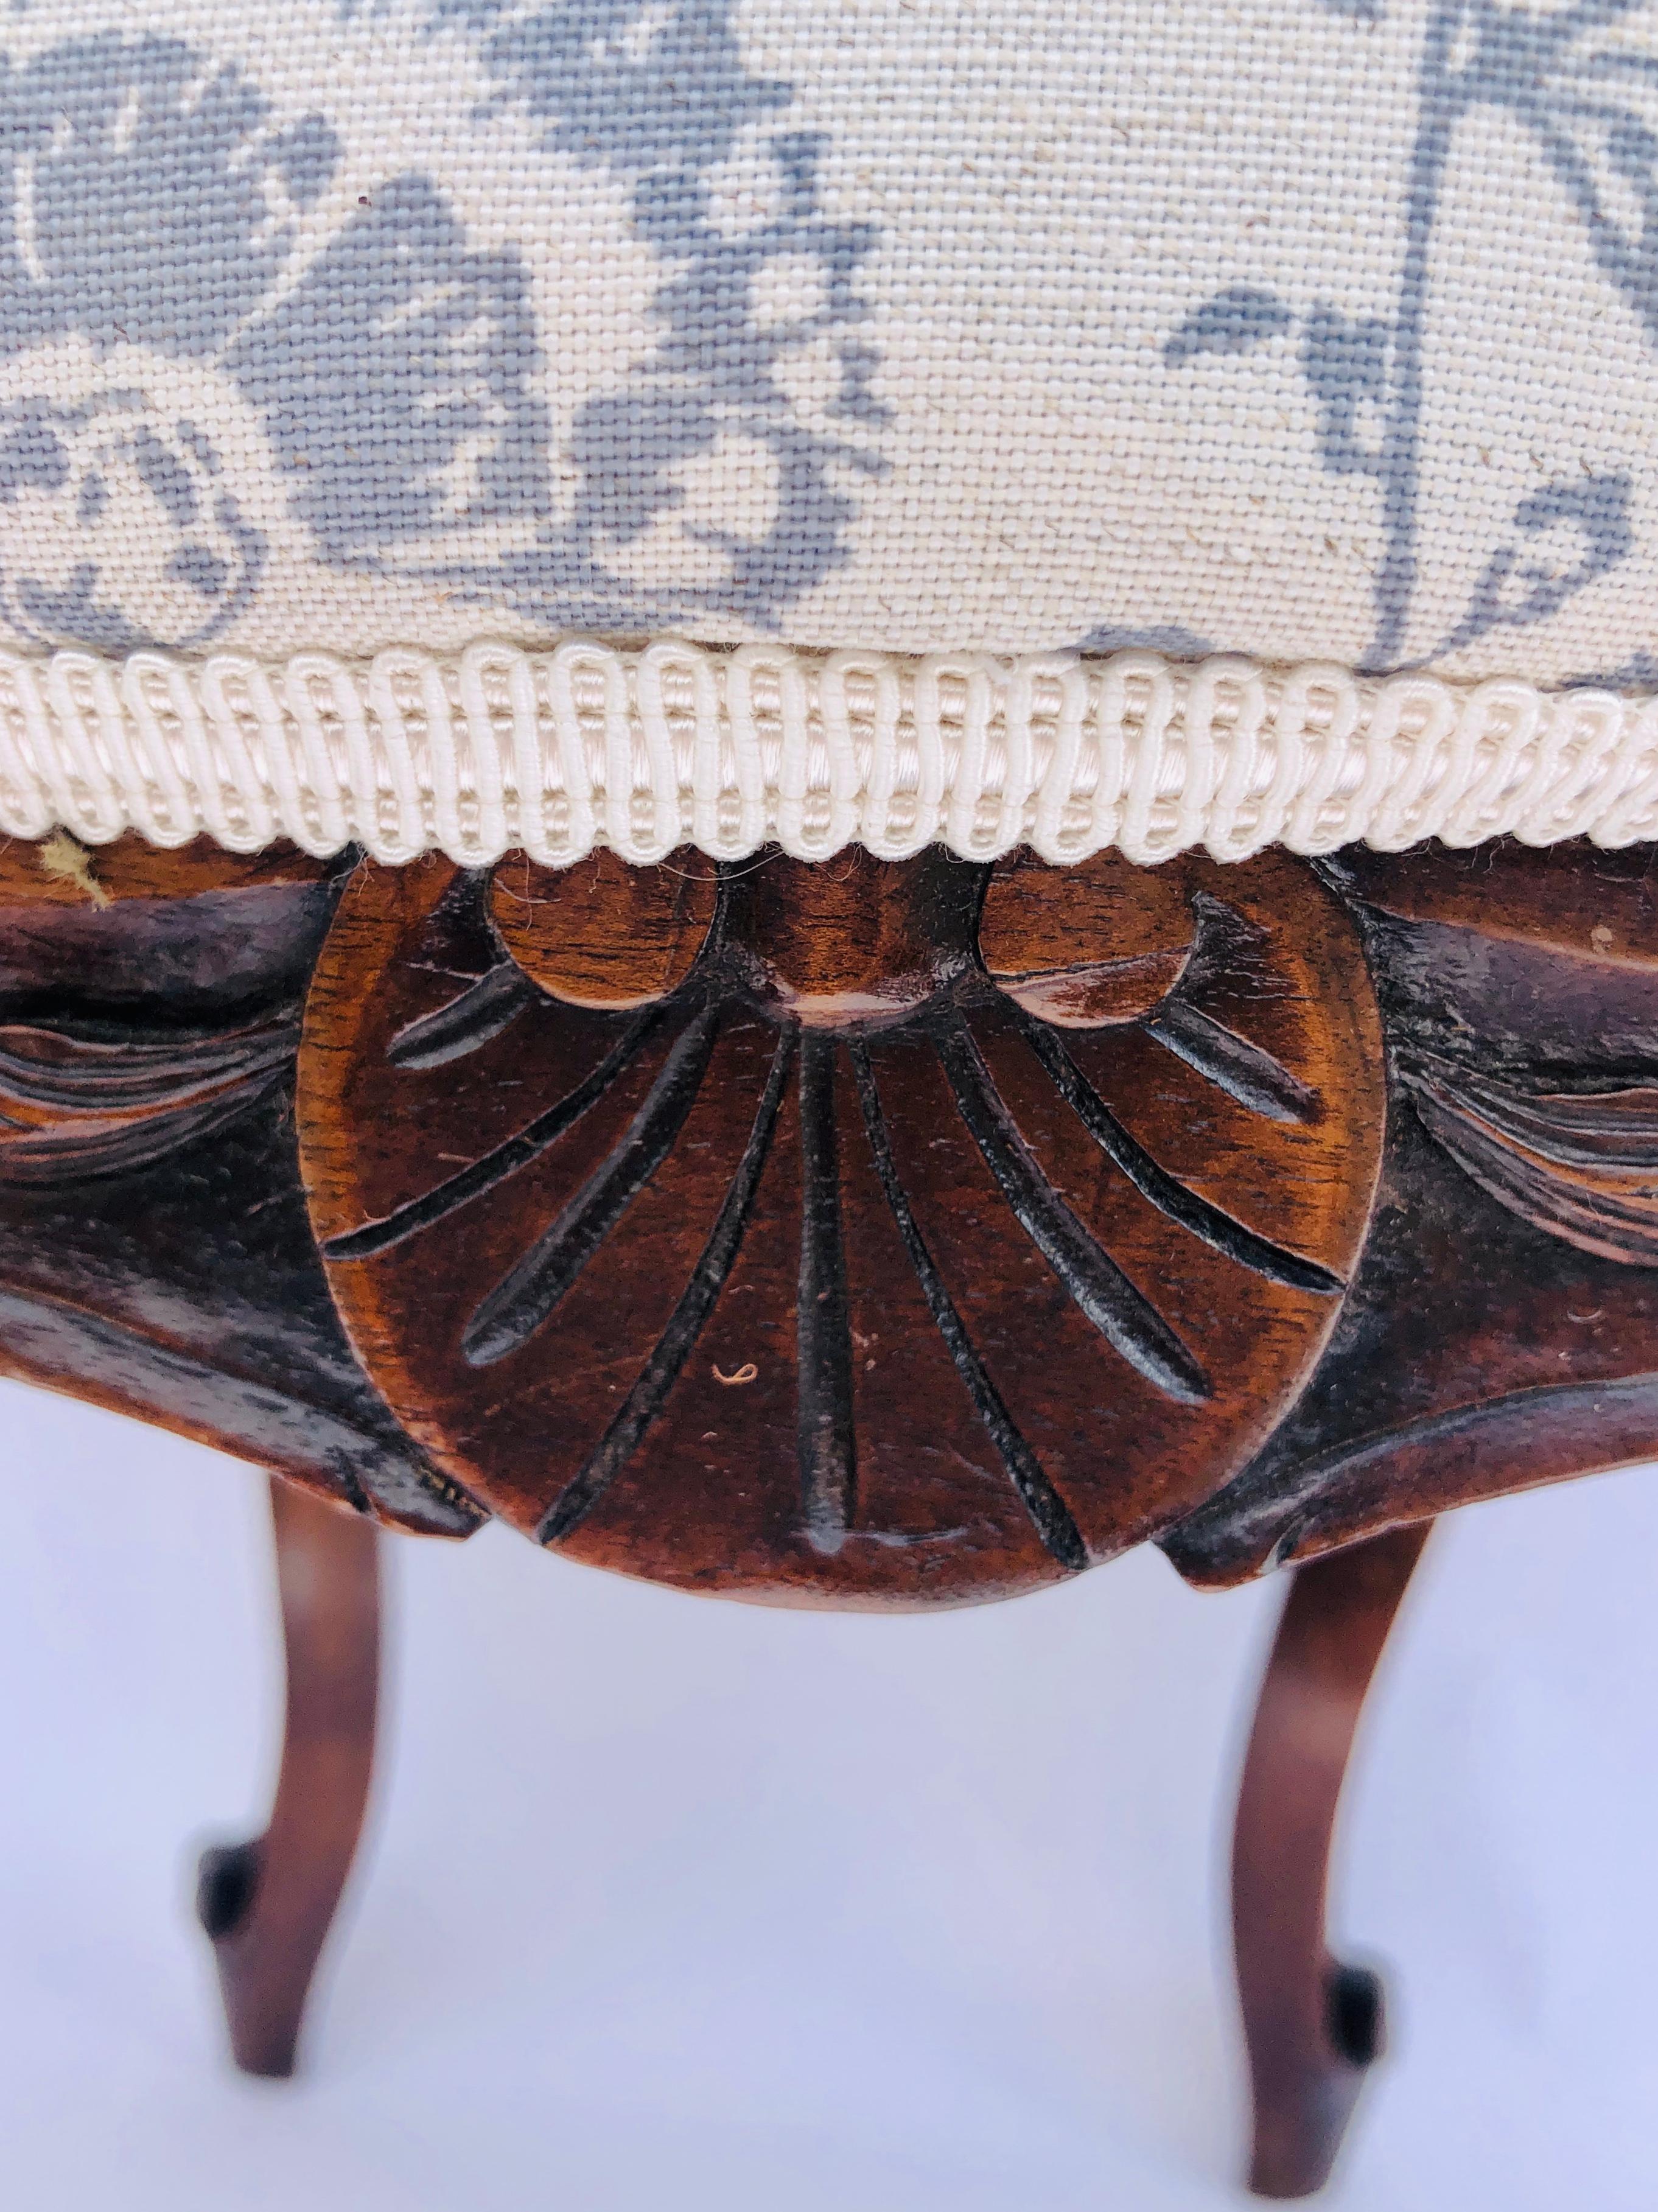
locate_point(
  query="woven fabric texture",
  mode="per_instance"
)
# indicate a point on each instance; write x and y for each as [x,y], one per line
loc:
[1304,329]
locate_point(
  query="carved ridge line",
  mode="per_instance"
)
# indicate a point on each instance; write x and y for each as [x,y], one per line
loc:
[505,1160]
[48,1336]
[1613,1129]
[526,1295]
[1610,1224]
[674,1346]
[1188,1208]
[1123,1314]
[44,1066]
[482,1011]
[82,1151]
[824,1428]
[1049,1514]
[1247,1072]
[1277,1524]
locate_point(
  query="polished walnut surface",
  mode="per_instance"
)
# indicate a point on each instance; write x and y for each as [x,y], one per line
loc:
[872,1232]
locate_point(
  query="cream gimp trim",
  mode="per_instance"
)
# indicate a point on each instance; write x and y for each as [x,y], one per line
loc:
[673,744]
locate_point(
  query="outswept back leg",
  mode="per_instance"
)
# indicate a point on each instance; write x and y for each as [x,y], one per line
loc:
[267,1903]
[1313,2024]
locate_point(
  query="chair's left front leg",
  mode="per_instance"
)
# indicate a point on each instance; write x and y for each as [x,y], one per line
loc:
[267,1903]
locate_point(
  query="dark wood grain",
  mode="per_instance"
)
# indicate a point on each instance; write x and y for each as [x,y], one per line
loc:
[121,934]
[1071,1155]
[1019,1033]
[1082,947]
[606,936]
[1572,898]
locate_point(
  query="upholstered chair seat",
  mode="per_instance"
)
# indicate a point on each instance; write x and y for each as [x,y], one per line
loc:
[847,802]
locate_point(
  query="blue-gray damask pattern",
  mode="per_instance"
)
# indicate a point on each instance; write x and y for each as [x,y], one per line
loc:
[148,205]
[1581,99]
[96,125]
[657,92]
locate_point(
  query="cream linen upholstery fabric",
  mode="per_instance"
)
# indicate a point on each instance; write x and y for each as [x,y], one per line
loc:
[1137,421]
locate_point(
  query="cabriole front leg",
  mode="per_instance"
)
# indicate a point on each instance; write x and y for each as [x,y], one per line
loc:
[1313,2024]
[268,1904]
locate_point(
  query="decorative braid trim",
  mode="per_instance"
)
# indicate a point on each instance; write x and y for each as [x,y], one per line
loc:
[676,744]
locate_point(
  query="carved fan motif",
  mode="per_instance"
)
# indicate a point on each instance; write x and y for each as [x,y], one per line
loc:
[885,1232]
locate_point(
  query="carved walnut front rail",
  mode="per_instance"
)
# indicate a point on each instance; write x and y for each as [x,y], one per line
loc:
[864,1234]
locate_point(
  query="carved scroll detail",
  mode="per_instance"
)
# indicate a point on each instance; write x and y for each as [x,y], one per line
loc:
[155,1253]
[1581,1164]
[73,1108]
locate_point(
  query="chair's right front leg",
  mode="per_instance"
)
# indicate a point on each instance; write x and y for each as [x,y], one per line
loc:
[1313,2024]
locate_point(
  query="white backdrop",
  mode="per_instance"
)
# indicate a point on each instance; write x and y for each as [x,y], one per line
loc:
[669,1903]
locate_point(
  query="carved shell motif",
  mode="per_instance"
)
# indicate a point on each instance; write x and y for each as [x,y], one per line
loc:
[866,1233]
